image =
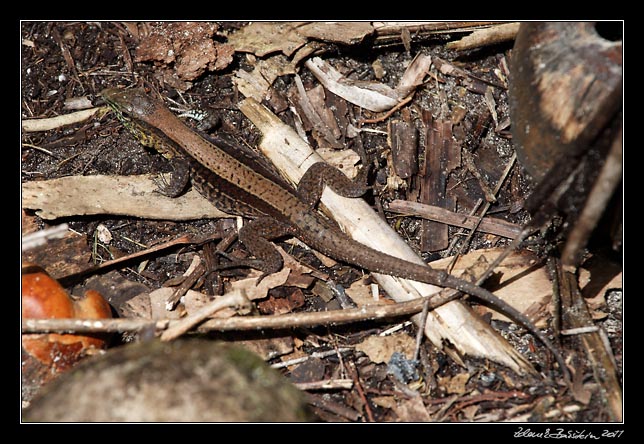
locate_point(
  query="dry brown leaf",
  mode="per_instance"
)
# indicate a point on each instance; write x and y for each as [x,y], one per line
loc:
[256,83]
[595,279]
[291,299]
[456,384]
[380,348]
[158,300]
[361,294]
[262,38]
[412,410]
[388,402]
[348,33]
[269,348]
[253,291]
[523,284]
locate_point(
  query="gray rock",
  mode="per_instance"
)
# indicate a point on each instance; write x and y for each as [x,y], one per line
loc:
[190,380]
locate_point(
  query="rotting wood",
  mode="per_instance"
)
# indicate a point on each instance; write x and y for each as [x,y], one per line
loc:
[441,157]
[404,149]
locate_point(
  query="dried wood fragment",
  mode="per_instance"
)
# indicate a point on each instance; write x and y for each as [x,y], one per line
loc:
[34,125]
[487,36]
[122,195]
[403,139]
[441,156]
[490,225]
[62,256]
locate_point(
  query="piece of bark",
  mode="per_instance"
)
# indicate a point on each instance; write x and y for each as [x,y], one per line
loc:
[117,195]
[61,257]
[441,156]
[484,37]
[403,139]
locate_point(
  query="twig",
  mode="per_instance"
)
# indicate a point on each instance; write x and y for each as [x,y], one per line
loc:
[490,225]
[421,329]
[323,354]
[605,184]
[41,237]
[361,393]
[329,384]
[487,36]
[388,113]
[236,299]
[290,320]
[496,190]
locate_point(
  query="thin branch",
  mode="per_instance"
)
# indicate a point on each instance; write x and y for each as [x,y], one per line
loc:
[603,189]
[235,299]
[291,320]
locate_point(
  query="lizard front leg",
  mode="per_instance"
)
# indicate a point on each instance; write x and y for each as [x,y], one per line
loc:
[320,174]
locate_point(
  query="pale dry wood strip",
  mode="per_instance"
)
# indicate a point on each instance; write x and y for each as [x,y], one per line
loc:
[454,322]
[490,225]
[117,195]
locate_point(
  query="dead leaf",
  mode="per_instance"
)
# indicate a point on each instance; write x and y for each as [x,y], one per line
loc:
[361,294]
[158,300]
[193,301]
[269,348]
[374,96]
[253,291]
[524,284]
[456,384]
[282,305]
[388,402]
[369,95]
[412,410]
[596,277]
[262,38]
[470,412]
[579,391]
[257,82]
[344,160]
[380,348]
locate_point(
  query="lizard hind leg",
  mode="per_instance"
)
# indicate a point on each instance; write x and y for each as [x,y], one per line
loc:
[256,236]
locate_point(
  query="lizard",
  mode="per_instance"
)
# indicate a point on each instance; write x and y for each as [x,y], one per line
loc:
[241,184]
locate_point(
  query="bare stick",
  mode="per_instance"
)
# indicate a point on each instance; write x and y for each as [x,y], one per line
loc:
[602,190]
[235,299]
[388,113]
[487,36]
[490,225]
[330,384]
[291,320]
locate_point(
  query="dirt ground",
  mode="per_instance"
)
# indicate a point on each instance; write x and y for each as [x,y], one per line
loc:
[205,70]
